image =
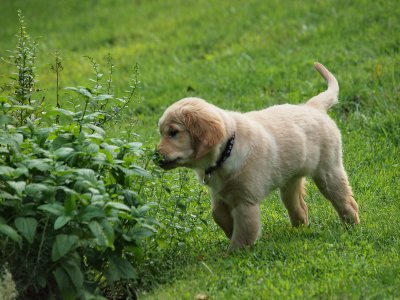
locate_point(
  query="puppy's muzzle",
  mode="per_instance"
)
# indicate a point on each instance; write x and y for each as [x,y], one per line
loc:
[162,161]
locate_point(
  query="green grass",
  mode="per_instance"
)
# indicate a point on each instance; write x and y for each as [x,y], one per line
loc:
[248,55]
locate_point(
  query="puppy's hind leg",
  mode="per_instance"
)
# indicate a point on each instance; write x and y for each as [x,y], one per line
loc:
[334,185]
[292,195]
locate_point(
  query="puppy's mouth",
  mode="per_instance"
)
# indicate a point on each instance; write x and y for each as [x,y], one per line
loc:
[165,163]
[169,164]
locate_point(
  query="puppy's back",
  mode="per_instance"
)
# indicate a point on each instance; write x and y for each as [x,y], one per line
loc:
[304,136]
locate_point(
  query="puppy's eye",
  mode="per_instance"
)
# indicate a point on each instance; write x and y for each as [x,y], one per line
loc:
[173,133]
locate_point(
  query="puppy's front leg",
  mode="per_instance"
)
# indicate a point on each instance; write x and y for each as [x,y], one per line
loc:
[221,214]
[246,225]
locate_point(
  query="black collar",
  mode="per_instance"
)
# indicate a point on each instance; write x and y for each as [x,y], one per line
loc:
[224,156]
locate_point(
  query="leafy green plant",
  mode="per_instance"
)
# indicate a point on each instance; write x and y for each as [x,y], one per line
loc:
[67,203]
[100,105]
[71,223]
[22,86]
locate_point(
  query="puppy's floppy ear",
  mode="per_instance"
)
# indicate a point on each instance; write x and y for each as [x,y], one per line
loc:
[205,126]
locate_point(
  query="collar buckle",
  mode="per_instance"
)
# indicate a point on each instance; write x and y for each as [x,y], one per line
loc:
[206,178]
[224,156]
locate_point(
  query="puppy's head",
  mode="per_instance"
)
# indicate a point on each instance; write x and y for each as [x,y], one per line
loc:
[190,129]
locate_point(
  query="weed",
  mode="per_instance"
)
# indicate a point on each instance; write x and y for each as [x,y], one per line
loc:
[24,79]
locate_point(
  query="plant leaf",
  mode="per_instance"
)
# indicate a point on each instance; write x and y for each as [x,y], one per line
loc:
[91,212]
[5,119]
[63,152]
[64,112]
[6,172]
[98,233]
[10,232]
[61,140]
[102,97]
[81,90]
[139,171]
[109,232]
[64,283]
[94,116]
[37,190]
[139,233]
[120,268]
[61,221]
[92,148]
[5,195]
[118,206]
[27,107]
[73,269]
[97,129]
[39,164]
[103,232]
[18,186]
[62,245]
[145,208]
[53,208]
[27,227]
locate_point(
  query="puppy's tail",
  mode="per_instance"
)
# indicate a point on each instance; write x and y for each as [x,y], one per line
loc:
[325,100]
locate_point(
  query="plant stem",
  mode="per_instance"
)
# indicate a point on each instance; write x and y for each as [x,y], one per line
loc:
[83,114]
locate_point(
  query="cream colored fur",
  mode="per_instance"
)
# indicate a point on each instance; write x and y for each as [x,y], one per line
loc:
[274,148]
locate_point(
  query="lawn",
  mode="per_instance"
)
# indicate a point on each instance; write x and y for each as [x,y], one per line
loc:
[244,56]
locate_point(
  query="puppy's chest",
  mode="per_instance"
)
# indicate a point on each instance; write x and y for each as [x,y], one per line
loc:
[212,180]
[231,192]
[222,182]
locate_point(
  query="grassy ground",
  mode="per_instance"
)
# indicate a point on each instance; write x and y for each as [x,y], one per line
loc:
[246,56]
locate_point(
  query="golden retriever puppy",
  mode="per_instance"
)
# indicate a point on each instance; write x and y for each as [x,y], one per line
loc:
[242,157]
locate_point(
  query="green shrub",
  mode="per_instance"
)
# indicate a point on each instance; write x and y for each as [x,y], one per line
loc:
[71,224]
